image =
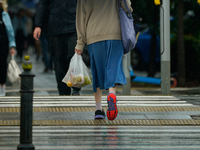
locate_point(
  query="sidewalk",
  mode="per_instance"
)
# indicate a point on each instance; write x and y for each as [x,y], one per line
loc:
[45,84]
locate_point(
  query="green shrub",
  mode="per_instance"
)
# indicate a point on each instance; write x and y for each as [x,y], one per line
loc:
[192,57]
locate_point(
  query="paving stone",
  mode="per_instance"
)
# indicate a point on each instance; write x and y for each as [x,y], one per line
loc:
[168,116]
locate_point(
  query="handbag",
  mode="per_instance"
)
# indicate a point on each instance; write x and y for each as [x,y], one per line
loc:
[78,73]
[129,30]
[13,71]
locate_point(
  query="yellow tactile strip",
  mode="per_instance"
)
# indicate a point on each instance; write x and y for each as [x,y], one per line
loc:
[106,122]
[92,109]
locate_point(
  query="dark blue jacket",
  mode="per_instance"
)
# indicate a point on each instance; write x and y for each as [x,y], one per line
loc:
[60,15]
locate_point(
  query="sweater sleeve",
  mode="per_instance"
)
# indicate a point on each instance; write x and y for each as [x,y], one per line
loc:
[41,12]
[81,24]
[9,29]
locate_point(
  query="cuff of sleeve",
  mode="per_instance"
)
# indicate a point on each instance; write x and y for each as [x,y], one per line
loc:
[12,44]
[79,47]
[37,25]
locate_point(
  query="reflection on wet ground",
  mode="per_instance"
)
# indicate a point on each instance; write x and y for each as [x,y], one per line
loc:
[106,137]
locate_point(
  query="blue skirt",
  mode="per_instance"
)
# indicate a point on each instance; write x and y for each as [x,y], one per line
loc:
[106,61]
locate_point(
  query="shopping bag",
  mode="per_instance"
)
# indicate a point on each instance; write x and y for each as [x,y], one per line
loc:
[13,71]
[78,73]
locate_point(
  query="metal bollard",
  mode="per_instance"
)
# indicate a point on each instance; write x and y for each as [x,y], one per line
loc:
[26,111]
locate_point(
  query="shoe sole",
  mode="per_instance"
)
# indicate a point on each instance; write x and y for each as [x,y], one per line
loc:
[99,117]
[112,107]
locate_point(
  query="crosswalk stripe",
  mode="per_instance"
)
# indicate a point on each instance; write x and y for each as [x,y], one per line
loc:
[67,101]
[85,102]
[83,98]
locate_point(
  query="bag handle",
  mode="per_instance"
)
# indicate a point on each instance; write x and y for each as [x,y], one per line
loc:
[126,5]
[12,56]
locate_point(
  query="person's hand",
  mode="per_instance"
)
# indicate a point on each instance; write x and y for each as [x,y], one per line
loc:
[37,33]
[12,51]
[79,52]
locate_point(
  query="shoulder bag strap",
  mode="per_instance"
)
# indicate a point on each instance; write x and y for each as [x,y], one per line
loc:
[126,5]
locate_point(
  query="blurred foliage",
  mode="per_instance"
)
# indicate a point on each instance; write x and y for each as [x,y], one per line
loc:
[191,37]
[12,2]
[191,17]
[192,52]
[144,9]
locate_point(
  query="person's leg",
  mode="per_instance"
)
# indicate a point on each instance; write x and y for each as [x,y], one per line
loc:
[2,90]
[76,91]
[62,48]
[97,76]
[113,89]
[20,40]
[99,113]
[3,68]
[50,60]
[114,75]
[112,103]
[56,46]
[72,39]
[37,49]
[97,96]
[44,44]
[48,55]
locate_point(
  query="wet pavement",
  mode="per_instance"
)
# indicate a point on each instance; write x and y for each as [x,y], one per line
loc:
[106,138]
[146,119]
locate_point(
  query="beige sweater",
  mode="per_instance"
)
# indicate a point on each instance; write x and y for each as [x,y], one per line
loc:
[97,20]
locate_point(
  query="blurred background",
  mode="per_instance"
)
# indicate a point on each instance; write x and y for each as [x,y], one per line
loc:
[145,58]
[185,40]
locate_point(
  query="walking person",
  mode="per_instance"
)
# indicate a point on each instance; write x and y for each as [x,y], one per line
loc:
[62,36]
[7,42]
[98,26]
[47,59]
[45,51]
[19,25]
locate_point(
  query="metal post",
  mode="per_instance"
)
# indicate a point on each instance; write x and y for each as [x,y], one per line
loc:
[126,66]
[165,47]
[26,112]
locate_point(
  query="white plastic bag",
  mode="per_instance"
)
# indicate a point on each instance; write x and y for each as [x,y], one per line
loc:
[13,71]
[77,74]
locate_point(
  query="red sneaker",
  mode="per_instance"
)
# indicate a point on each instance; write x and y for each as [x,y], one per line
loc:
[112,106]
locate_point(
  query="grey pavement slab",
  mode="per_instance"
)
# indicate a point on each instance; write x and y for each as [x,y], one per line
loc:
[65,116]
[90,115]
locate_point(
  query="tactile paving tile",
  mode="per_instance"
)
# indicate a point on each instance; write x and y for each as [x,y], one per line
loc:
[92,109]
[105,122]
